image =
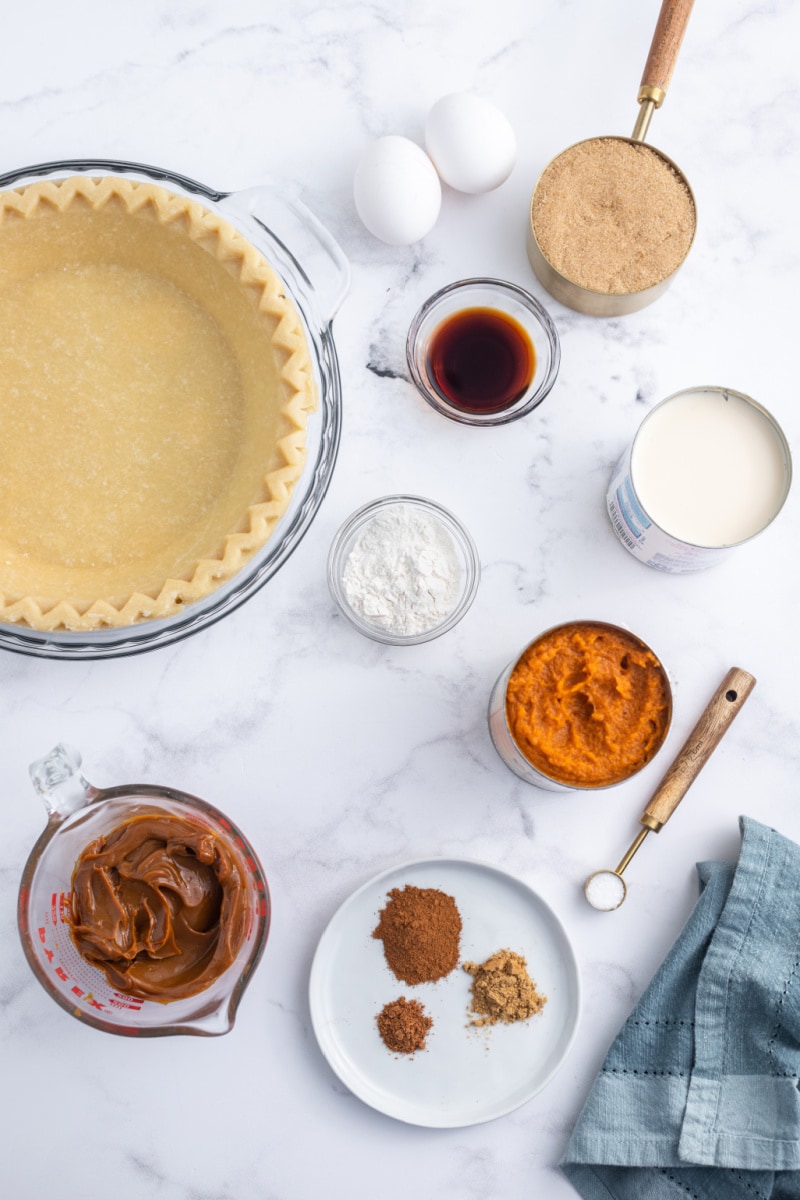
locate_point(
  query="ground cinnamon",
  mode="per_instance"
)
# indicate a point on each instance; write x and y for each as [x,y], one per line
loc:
[403,1025]
[420,929]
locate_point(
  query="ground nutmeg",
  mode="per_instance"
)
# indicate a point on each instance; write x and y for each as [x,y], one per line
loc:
[420,929]
[403,1025]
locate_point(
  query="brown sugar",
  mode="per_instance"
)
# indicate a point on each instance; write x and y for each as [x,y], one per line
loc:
[420,929]
[613,216]
[404,1026]
[502,990]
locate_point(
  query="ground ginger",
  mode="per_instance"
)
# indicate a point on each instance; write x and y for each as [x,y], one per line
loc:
[502,990]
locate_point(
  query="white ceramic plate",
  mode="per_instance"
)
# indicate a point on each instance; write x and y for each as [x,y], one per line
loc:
[464,1075]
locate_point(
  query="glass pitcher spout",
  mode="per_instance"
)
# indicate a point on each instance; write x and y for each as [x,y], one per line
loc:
[60,783]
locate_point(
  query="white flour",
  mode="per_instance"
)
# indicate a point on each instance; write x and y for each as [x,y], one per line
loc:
[403,574]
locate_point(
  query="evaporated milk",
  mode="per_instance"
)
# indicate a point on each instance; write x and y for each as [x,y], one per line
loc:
[708,469]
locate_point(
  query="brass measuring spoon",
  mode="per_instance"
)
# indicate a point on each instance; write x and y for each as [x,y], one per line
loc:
[606,890]
[670,28]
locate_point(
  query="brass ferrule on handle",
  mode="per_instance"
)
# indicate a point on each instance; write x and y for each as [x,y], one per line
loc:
[667,38]
[670,28]
[650,98]
[652,95]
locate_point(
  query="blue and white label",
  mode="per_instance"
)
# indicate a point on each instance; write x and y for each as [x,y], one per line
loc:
[643,538]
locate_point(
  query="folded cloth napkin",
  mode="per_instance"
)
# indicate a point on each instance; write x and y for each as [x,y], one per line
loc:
[698,1097]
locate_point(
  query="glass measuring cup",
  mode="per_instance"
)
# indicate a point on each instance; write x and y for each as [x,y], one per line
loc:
[78,814]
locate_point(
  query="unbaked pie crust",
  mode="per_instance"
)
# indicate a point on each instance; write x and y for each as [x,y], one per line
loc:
[155,383]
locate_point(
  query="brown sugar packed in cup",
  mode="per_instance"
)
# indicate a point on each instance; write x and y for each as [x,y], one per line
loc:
[404,1026]
[612,216]
[420,929]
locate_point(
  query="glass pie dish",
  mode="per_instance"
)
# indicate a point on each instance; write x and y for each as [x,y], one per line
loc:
[313,274]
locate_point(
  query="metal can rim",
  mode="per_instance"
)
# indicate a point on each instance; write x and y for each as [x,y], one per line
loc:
[783,442]
[550,782]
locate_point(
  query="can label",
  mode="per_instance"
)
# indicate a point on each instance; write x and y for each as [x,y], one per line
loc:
[646,540]
[504,743]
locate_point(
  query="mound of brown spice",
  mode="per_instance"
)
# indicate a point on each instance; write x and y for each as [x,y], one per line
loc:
[502,990]
[420,929]
[404,1025]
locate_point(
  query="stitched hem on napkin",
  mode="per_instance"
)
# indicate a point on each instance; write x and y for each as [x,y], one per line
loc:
[751,1108]
[683,1183]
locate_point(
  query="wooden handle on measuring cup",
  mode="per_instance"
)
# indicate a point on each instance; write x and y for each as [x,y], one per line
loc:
[698,747]
[670,28]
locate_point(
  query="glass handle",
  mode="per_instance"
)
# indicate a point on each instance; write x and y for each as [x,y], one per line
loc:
[59,781]
[300,245]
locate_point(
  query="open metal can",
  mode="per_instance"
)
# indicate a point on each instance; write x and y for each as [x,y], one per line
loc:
[584,706]
[708,469]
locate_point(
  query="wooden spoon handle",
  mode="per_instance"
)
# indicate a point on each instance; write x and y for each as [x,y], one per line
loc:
[698,747]
[670,28]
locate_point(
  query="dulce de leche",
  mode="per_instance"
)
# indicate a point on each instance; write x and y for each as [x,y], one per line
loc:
[588,704]
[159,905]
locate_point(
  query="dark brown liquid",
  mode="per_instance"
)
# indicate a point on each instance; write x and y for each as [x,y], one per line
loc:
[480,360]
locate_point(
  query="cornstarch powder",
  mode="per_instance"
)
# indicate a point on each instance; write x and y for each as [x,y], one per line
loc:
[403,574]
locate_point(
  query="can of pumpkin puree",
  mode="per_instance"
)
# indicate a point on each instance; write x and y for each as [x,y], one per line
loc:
[708,469]
[585,706]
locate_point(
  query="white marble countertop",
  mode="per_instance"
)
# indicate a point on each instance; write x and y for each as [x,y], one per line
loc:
[340,757]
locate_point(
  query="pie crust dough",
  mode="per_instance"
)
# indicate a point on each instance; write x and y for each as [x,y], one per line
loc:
[155,383]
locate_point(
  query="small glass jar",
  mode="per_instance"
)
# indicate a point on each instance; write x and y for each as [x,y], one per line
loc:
[498,297]
[463,545]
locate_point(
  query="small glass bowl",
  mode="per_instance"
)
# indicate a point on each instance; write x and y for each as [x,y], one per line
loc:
[506,298]
[345,539]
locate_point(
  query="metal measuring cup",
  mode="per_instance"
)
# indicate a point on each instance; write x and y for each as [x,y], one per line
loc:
[667,38]
[606,890]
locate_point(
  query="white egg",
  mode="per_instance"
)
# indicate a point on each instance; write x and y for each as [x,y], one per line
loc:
[471,143]
[397,191]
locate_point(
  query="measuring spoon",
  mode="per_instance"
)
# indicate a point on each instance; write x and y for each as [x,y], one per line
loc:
[606,890]
[670,28]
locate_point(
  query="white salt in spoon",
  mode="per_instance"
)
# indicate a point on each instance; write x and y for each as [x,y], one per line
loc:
[605,890]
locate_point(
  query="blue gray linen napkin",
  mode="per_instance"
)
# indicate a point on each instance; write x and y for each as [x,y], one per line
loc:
[698,1097]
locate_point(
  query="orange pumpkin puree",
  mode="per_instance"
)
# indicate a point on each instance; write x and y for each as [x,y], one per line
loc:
[588,704]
